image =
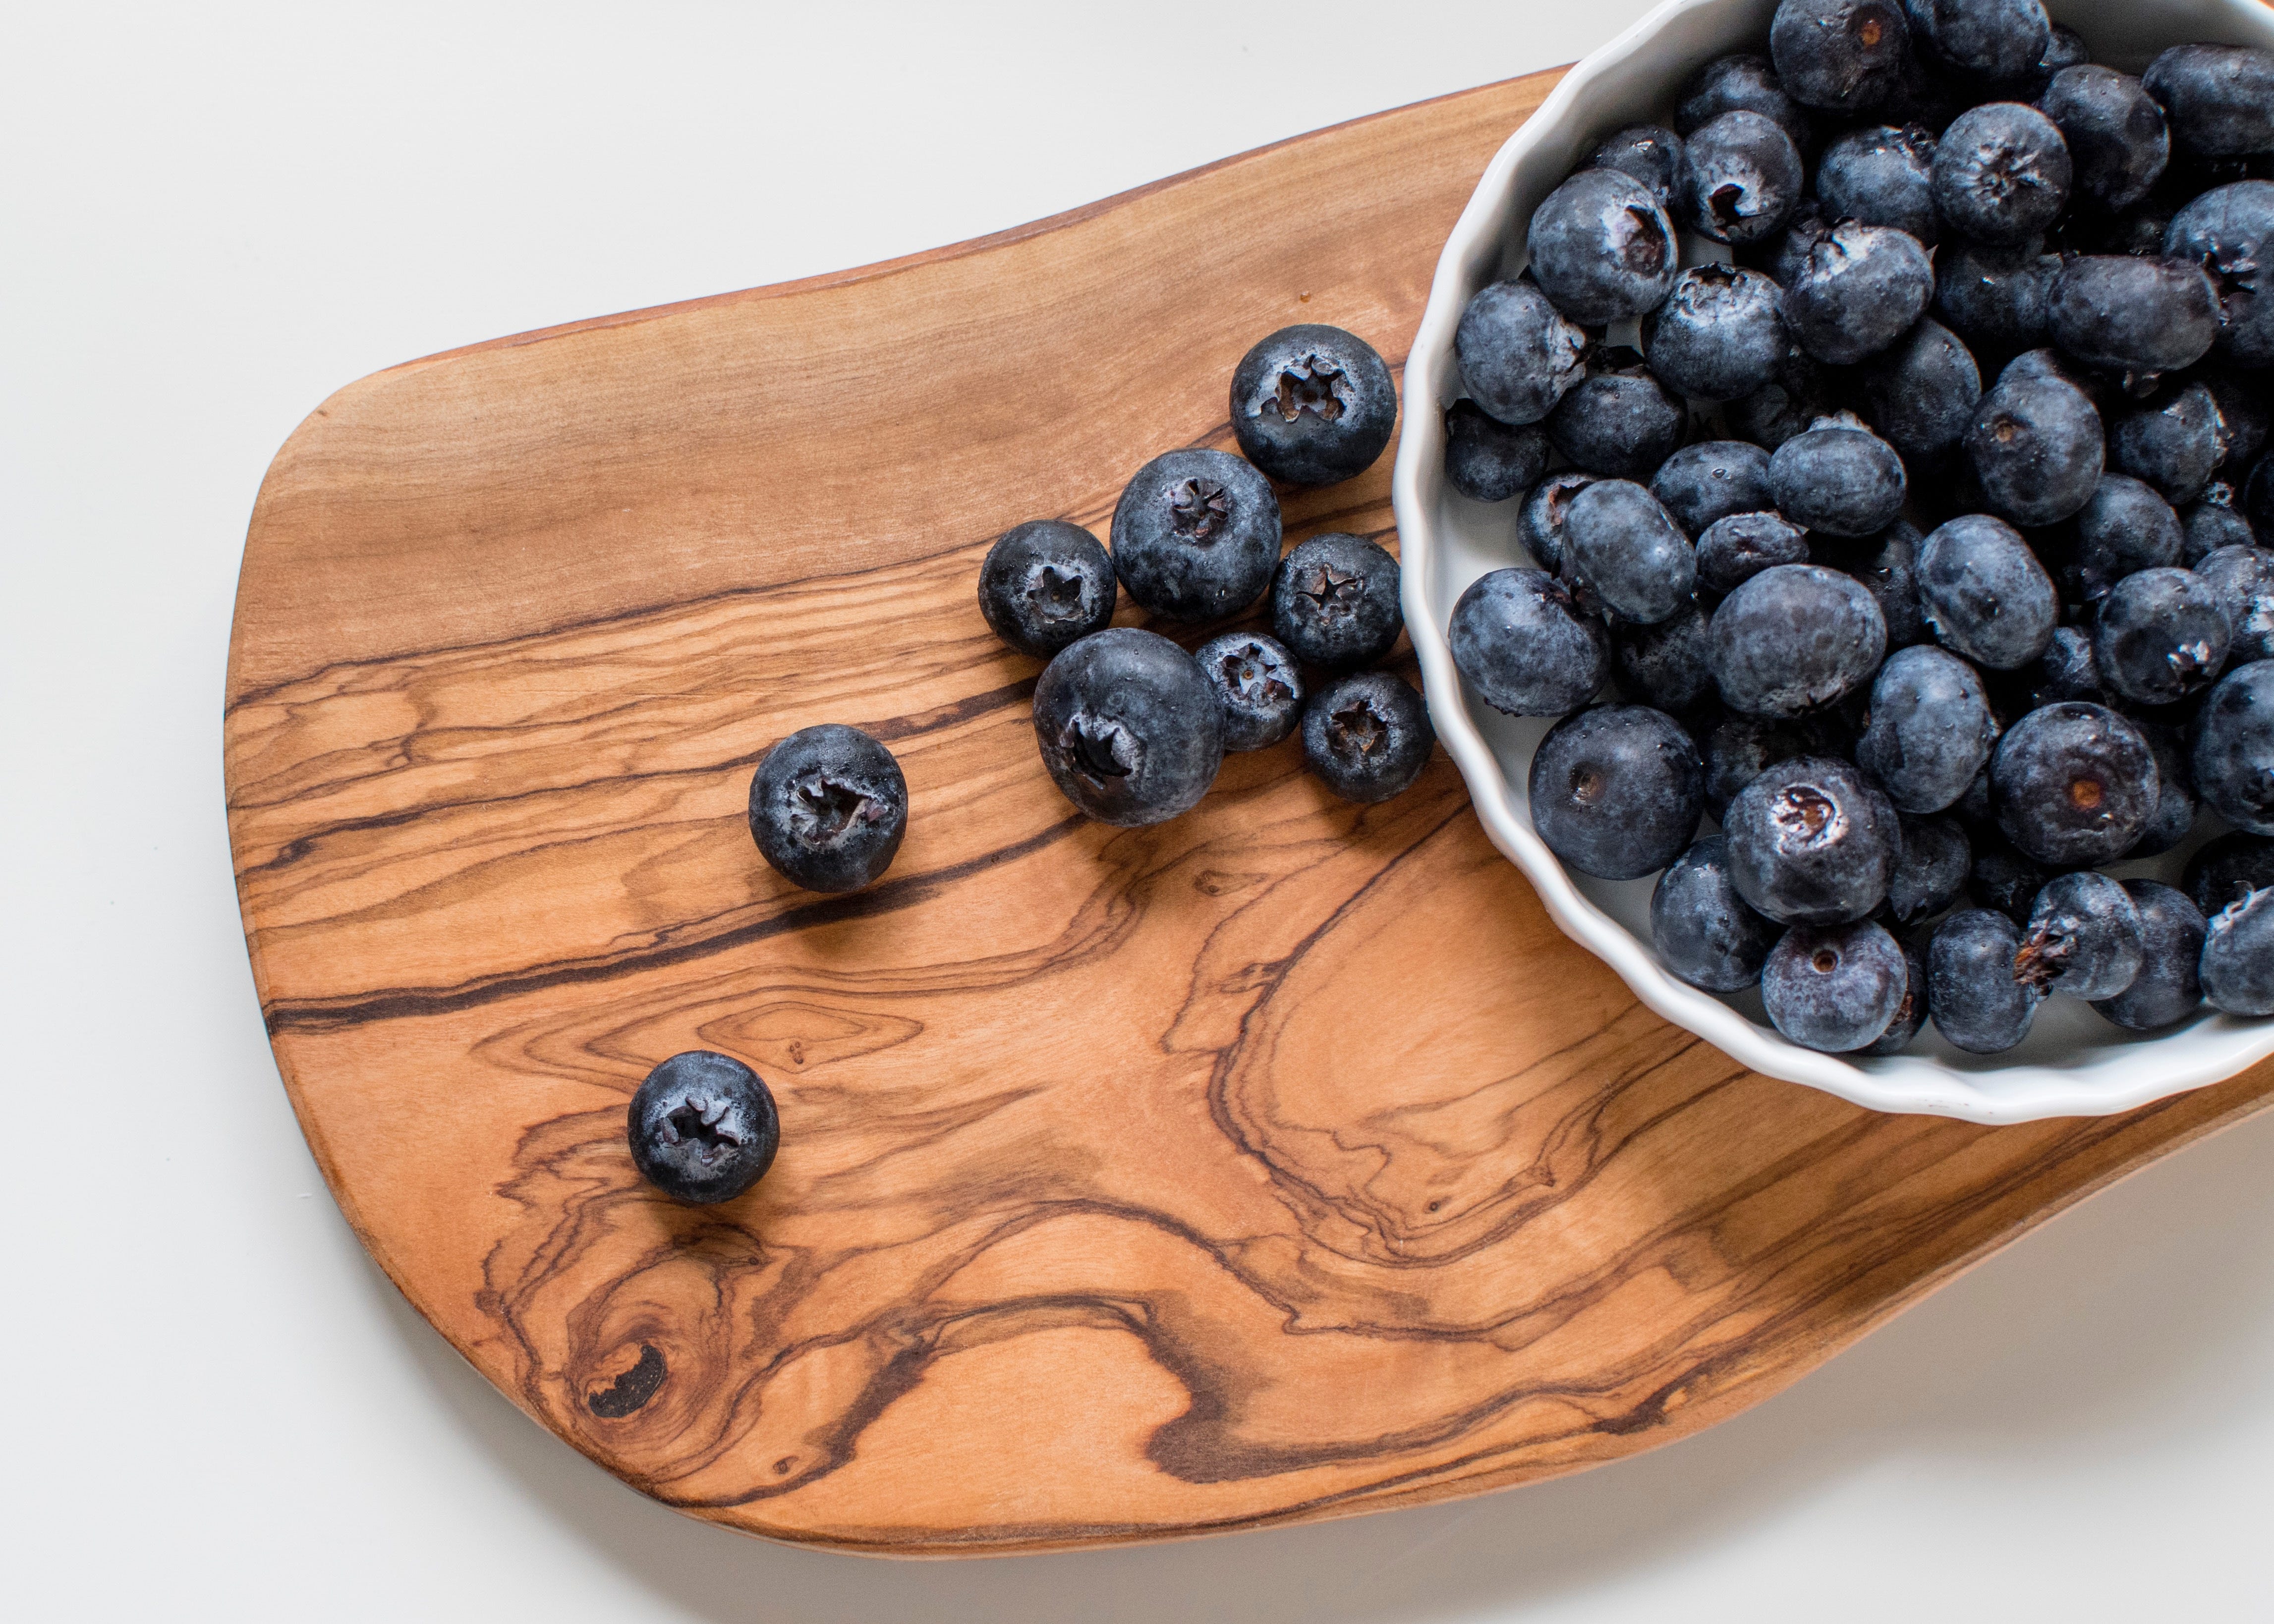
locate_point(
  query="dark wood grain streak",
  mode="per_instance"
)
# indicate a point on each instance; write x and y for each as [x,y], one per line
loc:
[1282,1163]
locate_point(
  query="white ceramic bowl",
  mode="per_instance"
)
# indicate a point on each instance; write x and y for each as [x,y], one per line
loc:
[2074,1063]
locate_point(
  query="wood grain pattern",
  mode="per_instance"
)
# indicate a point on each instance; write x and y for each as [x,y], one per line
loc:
[1279,1163]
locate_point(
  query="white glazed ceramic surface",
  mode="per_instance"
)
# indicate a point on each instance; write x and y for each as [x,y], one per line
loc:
[2074,1063]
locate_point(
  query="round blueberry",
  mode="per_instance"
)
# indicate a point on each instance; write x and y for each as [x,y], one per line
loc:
[1882,176]
[1045,584]
[1923,391]
[2141,318]
[2232,748]
[2001,173]
[1367,736]
[1833,987]
[2173,443]
[703,1128]
[2243,577]
[1793,637]
[1525,648]
[1735,548]
[1846,54]
[1984,595]
[1811,842]
[1129,729]
[1738,749]
[1517,354]
[1334,601]
[1644,152]
[2160,636]
[2237,965]
[2114,131]
[1781,256]
[1540,522]
[2168,989]
[828,807]
[1703,932]
[1911,1014]
[2229,231]
[2075,783]
[1196,534]
[2082,938]
[1313,405]
[2037,447]
[1857,291]
[2211,523]
[1994,296]
[1887,565]
[1740,81]
[1487,460]
[1739,177]
[1703,482]
[1992,41]
[2219,98]
[1664,665]
[2258,497]
[2229,868]
[1601,247]
[1972,994]
[1719,336]
[1619,424]
[2124,528]
[1619,541]
[1931,871]
[1616,791]
[2064,671]
[1259,694]
[2174,816]
[1841,481]
[2005,881]
[1930,730]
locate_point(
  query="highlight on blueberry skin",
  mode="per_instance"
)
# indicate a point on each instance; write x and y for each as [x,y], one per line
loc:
[1044,584]
[1334,601]
[1930,731]
[1313,405]
[1623,545]
[1367,736]
[828,807]
[1984,595]
[1648,153]
[1616,791]
[1129,729]
[1258,689]
[1882,176]
[1834,988]
[702,1127]
[1196,534]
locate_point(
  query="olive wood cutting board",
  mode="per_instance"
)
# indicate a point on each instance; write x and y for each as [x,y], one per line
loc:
[1280,1163]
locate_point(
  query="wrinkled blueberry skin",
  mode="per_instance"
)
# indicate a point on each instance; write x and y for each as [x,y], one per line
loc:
[1931,729]
[2006,880]
[1739,748]
[2141,318]
[1616,792]
[2074,783]
[1313,405]
[2229,231]
[1703,932]
[1742,81]
[2174,816]
[1487,460]
[1719,336]
[2064,671]
[2161,634]
[2172,443]
[1196,534]
[1922,390]
[1739,178]
[1795,637]
[2219,98]
[1334,601]
[1994,296]
[1887,565]
[2082,938]
[1858,290]
[1931,871]
[2168,989]
[1984,595]
[1526,648]
[1703,482]
[1517,353]
[1044,584]
[2035,446]
[2114,131]
[2001,173]
[1129,729]
[2124,528]
[1258,692]
[1540,522]
[1994,42]
[2212,523]
[1664,665]
[1882,177]
[1833,987]
[1846,54]
[2231,748]
[1647,153]
[2243,577]
[2237,964]
[1621,542]
[1735,548]
[2229,868]
[1601,247]
[1841,481]
[828,807]
[1366,736]
[1620,424]
[1971,994]
[703,1128]
[1910,1013]
[1811,842]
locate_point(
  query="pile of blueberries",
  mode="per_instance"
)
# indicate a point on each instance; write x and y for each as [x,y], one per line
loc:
[1923,536]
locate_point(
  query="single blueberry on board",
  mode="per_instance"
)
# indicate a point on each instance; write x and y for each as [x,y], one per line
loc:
[1746,81]
[2036,446]
[1648,153]
[2082,938]
[1922,391]
[2229,232]
[1858,290]
[1841,481]
[1196,534]
[1664,664]
[1793,637]
[1366,736]
[1802,391]
[1259,693]
[1932,870]
[2228,868]
[1911,1014]
[1334,601]
[1739,178]
[1702,483]
[1811,842]
[2138,317]
[828,807]
[2160,636]
[2074,783]
[1540,522]
[1737,547]
[1703,932]
[1129,730]
[1983,594]
[1601,247]
[1616,791]
[1719,336]
[1834,988]
[1045,584]
[1989,41]
[1972,994]
[702,1127]
[2001,173]
[2232,748]
[2244,579]
[1882,176]
[2237,965]
[1620,423]
[2124,528]
[2005,881]
[1312,404]
[1517,353]
[2172,442]
[1489,460]
[1738,749]
[1994,296]
[1843,54]
[2114,131]
[2168,989]
[1930,731]
[2219,98]
[1619,541]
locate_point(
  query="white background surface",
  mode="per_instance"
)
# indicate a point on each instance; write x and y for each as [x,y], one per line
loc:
[213,216]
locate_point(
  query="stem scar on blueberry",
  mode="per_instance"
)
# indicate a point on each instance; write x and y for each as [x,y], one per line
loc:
[1250,679]
[1056,595]
[1313,384]
[1360,728]
[2086,795]
[825,809]
[1198,508]
[697,1122]
[1586,786]
[1332,589]
[1099,749]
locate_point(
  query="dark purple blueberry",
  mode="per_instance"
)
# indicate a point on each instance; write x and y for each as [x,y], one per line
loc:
[2174,816]
[2237,964]
[1882,176]
[1739,177]
[2036,445]
[2075,783]
[1619,424]
[2126,528]
[2168,989]
[2229,868]
[1517,354]
[1859,290]
[1811,842]
[2006,880]
[1930,730]
[1923,391]
[1801,392]
[1258,692]
[2219,98]
[1487,460]
[2082,938]
[1664,665]
[2064,671]
[1616,791]
[1740,545]
[1911,1014]
[1644,152]
[1703,932]
[2243,577]
[1846,54]
[1623,545]
[2160,636]
[702,1127]
[1727,84]
[1719,334]
[1984,595]
[1540,522]
[1196,534]
[2246,414]
[1739,748]
[2114,130]
[1834,988]
[2230,233]
[2173,443]
[1993,297]
[2001,173]
[1334,601]
[1887,565]
[1780,257]
[1931,871]
[1705,482]
[1839,480]
[2232,749]
[1525,648]
[1972,994]
[2066,48]
[2258,497]
[1045,584]
[1793,637]
[1988,42]
[2139,318]
[1129,730]
[2138,231]
[1313,405]
[2211,523]
[828,807]
[1601,247]
[1366,736]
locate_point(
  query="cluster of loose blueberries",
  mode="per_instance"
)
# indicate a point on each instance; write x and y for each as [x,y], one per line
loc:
[1931,654]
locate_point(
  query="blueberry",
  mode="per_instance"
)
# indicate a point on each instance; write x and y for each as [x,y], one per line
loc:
[1129,729]
[2075,783]
[2082,938]
[2232,749]
[1858,290]
[1259,694]
[1994,296]
[2243,577]
[2036,445]
[1616,791]
[1882,176]
[1834,988]
[1664,665]
[1811,842]
[1801,392]
[2173,443]
[1367,736]
[2118,145]
[2140,317]
[1739,178]
[1993,42]
[2001,173]
[1841,481]
[828,807]
[2124,528]
[2237,964]
[1313,405]
[1931,871]
[2230,233]
[1931,729]
[702,1127]
[1727,84]
[2160,636]
[1524,647]
[1517,354]
[1619,424]
[2229,868]
[2258,497]
[1738,749]
[1540,522]
[1487,460]
[2066,48]
[2065,670]
[1972,994]
[2211,523]
[2167,990]
[1910,1013]
[1045,584]
[1793,637]
[1703,932]
[1923,391]
[1621,541]
[2245,415]
[1196,534]
[1887,565]
[2005,881]
[1334,601]
[2219,98]
[1644,152]
[1719,336]
[1737,548]
[1704,483]
[1983,593]
[1601,247]
[2174,816]
[1842,54]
